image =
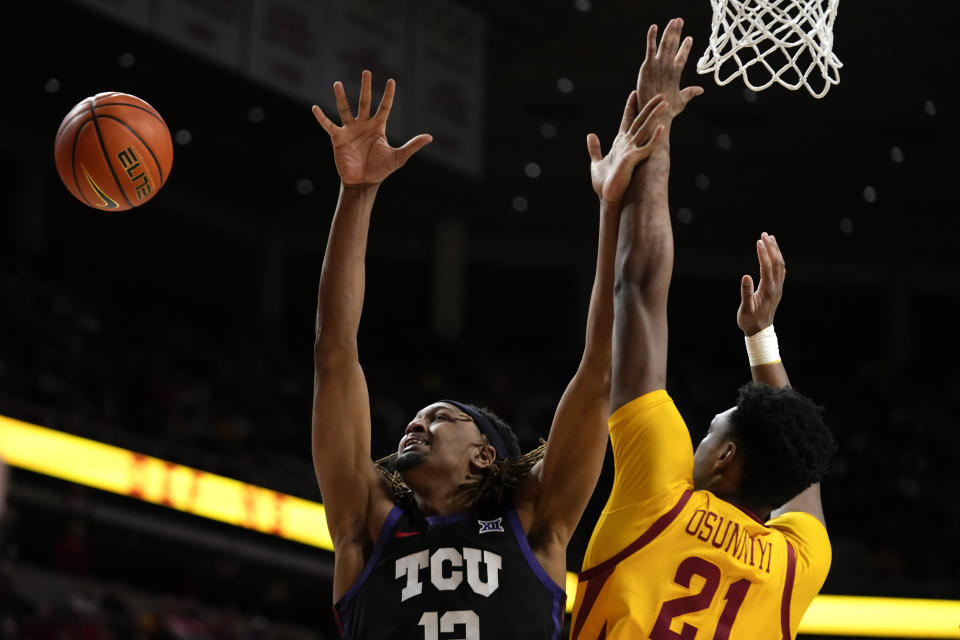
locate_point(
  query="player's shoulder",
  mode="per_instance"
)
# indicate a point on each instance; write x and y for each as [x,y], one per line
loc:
[640,404]
[800,525]
[803,530]
[810,542]
[653,410]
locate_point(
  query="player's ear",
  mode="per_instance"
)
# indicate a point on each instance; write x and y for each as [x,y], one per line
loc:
[725,455]
[484,456]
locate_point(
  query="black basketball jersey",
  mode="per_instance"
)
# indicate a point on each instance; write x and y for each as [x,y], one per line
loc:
[467,576]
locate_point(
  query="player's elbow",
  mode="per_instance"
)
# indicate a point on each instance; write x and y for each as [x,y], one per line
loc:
[596,369]
[636,283]
[643,271]
[329,352]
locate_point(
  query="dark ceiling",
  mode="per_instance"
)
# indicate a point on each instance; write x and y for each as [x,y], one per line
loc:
[743,163]
[795,165]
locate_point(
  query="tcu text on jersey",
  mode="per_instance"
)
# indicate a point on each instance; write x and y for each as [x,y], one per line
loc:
[445,569]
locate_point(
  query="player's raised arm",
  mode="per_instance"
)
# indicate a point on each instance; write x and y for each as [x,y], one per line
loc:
[341,408]
[755,319]
[755,315]
[645,250]
[578,435]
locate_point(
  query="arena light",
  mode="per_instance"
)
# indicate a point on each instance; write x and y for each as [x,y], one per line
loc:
[118,470]
[124,472]
[882,617]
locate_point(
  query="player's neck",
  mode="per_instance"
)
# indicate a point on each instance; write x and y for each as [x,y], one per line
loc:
[442,505]
[760,512]
[438,496]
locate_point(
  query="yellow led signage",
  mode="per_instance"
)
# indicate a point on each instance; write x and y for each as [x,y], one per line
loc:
[110,468]
[118,470]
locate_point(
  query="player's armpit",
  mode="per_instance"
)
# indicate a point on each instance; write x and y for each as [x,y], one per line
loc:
[807,501]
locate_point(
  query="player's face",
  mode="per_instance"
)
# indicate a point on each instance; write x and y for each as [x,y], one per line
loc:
[441,436]
[709,448]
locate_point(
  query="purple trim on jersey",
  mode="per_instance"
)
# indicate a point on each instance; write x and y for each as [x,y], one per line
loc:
[385,532]
[788,591]
[655,529]
[559,607]
[435,521]
[559,593]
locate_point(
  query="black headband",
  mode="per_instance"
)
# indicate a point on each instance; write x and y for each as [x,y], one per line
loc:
[486,427]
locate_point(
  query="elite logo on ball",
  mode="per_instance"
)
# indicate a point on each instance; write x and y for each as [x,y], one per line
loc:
[131,164]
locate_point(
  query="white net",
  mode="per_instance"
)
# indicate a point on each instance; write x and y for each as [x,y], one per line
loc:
[765,41]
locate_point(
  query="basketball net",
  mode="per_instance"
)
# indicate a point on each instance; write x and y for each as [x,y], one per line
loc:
[765,41]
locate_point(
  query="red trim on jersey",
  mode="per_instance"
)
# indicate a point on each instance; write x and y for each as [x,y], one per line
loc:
[655,529]
[596,577]
[589,597]
[336,617]
[788,592]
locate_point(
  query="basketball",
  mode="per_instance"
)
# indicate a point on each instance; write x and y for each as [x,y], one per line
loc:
[113,151]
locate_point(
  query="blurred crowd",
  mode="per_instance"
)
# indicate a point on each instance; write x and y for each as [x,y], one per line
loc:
[229,399]
[41,605]
[234,399]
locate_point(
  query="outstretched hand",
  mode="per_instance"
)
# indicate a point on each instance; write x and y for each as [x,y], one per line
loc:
[360,148]
[636,140]
[661,69]
[757,307]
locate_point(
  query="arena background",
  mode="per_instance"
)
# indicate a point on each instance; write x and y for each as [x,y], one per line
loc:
[183,330]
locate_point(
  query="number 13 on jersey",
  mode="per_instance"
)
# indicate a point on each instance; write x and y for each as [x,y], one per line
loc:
[434,624]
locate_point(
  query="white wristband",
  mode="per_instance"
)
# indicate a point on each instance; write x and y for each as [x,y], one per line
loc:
[762,347]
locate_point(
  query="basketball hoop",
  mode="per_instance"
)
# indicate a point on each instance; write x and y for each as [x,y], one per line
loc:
[765,41]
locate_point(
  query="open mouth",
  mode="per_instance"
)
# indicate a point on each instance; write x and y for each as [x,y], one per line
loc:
[411,441]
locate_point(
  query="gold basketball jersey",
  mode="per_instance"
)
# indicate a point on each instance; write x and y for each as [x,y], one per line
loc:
[666,562]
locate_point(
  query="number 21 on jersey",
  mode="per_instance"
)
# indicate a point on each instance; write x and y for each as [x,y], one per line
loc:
[699,601]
